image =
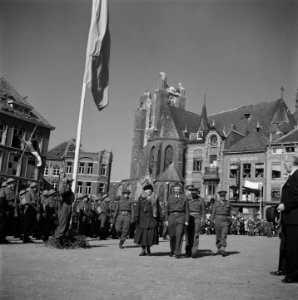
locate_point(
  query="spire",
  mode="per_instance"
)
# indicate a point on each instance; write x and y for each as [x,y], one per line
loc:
[204,120]
[282,89]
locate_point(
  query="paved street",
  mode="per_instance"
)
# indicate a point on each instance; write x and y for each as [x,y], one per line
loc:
[33,271]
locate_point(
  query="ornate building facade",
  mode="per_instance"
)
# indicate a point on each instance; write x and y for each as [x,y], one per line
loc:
[94,169]
[20,122]
[230,150]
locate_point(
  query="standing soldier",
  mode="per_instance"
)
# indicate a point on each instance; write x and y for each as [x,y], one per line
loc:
[113,205]
[64,214]
[50,215]
[104,218]
[177,217]
[30,211]
[124,215]
[197,216]
[221,216]
[7,200]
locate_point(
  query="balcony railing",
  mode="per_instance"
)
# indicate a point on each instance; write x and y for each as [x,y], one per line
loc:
[211,173]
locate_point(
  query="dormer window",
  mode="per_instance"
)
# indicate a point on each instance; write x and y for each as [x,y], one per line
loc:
[213,140]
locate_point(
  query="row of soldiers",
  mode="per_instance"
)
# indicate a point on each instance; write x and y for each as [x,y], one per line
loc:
[27,212]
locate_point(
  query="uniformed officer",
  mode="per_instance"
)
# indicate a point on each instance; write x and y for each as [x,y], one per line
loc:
[197,216]
[105,217]
[177,217]
[124,215]
[7,199]
[50,214]
[221,216]
[30,212]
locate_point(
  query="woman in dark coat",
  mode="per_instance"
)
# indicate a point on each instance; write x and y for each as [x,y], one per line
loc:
[147,215]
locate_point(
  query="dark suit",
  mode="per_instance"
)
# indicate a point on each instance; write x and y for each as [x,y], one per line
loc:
[177,213]
[289,219]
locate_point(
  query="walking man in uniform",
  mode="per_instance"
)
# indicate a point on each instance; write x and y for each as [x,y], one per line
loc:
[197,216]
[124,215]
[221,216]
[177,216]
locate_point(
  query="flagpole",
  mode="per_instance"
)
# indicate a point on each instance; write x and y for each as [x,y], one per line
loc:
[78,139]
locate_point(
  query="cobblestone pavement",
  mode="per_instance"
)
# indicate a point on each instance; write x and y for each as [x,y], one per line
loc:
[33,271]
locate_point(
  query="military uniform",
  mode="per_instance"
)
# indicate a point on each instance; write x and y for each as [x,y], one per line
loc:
[7,199]
[30,213]
[104,218]
[197,215]
[177,215]
[64,214]
[221,216]
[124,215]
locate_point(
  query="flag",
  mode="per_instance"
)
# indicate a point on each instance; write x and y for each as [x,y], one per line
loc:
[253,185]
[33,151]
[96,75]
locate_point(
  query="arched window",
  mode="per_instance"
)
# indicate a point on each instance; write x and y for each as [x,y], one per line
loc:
[168,156]
[152,159]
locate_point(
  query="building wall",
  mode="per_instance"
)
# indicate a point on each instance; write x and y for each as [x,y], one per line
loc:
[26,170]
[91,183]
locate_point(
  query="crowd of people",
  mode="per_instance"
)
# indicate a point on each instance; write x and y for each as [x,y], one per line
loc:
[49,213]
[35,213]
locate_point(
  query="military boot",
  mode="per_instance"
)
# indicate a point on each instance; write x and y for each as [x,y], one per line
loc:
[121,244]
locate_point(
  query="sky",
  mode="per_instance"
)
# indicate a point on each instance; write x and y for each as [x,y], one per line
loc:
[238,52]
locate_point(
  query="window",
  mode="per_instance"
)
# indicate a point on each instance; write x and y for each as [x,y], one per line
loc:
[79,187]
[234,170]
[246,170]
[213,140]
[13,164]
[275,194]
[275,170]
[54,185]
[210,188]
[88,188]
[213,160]
[30,167]
[259,170]
[56,171]
[246,195]
[197,164]
[234,193]
[3,132]
[90,168]
[16,138]
[69,167]
[276,150]
[103,170]
[81,168]
[290,149]
[101,188]
[168,156]
[152,159]
[46,171]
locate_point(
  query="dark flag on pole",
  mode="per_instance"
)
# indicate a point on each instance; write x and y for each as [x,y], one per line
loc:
[96,75]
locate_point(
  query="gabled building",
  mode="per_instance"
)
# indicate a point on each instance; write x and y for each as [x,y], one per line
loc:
[94,169]
[226,150]
[19,121]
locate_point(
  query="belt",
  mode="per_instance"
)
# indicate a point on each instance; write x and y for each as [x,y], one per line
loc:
[177,212]
[124,212]
[194,213]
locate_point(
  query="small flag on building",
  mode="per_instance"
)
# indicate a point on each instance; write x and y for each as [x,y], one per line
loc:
[96,75]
